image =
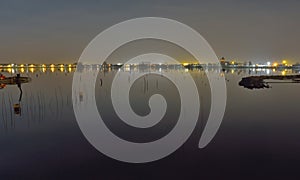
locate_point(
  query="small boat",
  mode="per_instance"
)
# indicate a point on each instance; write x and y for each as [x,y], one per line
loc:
[254,82]
[260,82]
[15,80]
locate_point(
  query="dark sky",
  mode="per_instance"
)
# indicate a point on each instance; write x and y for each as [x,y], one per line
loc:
[57,31]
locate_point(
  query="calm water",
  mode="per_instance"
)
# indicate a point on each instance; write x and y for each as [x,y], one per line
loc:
[259,136]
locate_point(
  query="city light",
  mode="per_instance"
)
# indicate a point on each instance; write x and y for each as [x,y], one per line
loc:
[284,61]
[14,68]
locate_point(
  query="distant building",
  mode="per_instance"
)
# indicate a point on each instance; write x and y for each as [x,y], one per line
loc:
[223,62]
[297,65]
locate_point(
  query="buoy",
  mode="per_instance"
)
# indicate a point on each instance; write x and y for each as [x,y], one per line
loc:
[17,109]
[2,86]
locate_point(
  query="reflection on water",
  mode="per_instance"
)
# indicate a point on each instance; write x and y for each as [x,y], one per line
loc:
[48,95]
[29,98]
[15,80]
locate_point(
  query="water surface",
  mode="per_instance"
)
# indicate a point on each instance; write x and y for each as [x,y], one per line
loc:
[259,136]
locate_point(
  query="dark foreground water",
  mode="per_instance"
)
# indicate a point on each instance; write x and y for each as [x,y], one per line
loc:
[259,136]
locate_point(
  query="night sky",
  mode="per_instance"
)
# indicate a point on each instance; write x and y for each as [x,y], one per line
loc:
[35,31]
